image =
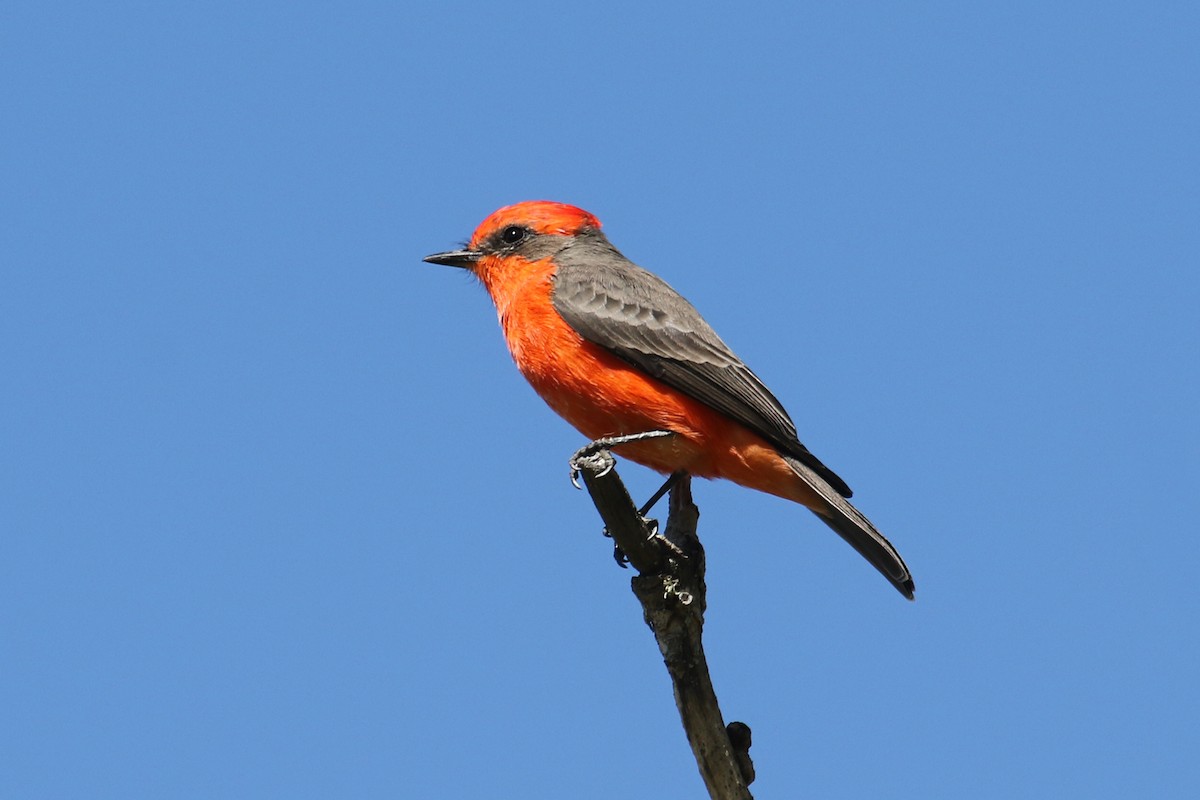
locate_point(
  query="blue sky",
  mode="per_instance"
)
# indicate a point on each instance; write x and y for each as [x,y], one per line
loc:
[280,519]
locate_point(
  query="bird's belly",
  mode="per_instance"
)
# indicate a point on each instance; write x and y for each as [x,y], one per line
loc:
[602,395]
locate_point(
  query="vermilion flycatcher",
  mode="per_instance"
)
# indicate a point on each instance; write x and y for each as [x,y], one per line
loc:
[615,351]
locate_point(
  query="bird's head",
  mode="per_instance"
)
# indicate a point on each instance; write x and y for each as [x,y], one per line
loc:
[514,236]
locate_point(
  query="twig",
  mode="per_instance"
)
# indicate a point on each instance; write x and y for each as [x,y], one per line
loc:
[671,589]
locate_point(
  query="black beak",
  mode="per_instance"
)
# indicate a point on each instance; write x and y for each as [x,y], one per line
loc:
[455,258]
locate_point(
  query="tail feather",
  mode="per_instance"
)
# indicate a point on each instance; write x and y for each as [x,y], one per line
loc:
[849,523]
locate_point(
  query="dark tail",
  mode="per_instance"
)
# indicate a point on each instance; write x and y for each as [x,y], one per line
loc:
[857,530]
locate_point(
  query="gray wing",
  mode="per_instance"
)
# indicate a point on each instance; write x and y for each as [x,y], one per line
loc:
[612,302]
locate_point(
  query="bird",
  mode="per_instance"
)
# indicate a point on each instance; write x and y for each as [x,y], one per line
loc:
[615,351]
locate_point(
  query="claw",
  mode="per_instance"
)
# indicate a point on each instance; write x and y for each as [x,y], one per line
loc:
[600,458]
[602,445]
[596,454]
[618,554]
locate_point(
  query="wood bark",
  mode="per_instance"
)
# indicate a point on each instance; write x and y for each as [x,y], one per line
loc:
[670,587]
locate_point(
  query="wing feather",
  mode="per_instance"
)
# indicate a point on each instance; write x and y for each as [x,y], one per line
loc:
[612,302]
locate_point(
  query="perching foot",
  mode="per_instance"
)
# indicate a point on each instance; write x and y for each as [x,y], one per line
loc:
[597,451]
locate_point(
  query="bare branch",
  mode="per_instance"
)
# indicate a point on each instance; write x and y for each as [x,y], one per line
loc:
[671,589]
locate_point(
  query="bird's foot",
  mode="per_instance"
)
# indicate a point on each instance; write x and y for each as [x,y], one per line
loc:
[596,458]
[596,452]
[619,554]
